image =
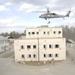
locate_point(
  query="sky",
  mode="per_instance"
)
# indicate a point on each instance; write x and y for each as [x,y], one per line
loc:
[17,15]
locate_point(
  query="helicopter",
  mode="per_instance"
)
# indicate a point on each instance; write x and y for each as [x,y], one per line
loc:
[49,15]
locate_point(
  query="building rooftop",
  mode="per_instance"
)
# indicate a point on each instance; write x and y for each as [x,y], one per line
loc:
[70,41]
[2,38]
[43,26]
[22,37]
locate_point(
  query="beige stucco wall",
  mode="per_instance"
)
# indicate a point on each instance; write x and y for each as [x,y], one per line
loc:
[61,51]
[40,51]
[49,32]
[19,51]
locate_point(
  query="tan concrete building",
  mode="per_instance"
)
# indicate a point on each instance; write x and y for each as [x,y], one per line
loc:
[44,32]
[41,44]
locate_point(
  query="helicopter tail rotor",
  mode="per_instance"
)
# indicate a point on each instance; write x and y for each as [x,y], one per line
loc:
[68,13]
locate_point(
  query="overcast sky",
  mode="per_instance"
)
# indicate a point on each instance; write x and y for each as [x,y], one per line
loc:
[16,15]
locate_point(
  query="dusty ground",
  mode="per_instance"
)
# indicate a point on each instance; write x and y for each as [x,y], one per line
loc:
[9,67]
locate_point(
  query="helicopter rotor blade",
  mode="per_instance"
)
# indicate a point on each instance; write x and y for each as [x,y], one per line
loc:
[47,9]
[39,11]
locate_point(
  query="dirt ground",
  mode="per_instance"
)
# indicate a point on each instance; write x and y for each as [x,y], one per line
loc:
[9,67]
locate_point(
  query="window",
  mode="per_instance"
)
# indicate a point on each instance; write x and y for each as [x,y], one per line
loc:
[29,56]
[44,32]
[33,32]
[56,46]
[44,46]
[44,55]
[59,32]
[28,32]
[50,46]
[22,47]
[37,32]
[34,46]
[48,32]
[34,55]
[56,55]
[50,55]
[28,46]
[54,32]
[22,55]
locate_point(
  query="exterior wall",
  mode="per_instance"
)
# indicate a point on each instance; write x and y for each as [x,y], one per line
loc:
[61,50]
[4,45]
[44,32]
[70,45]
[41,52]
[25,51]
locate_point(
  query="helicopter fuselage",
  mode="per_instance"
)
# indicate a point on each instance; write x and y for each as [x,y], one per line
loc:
[47,16]
[53,15]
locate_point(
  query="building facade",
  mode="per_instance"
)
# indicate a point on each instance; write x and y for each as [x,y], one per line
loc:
[44,32]
[41,44]
[70,43]
[4,44]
